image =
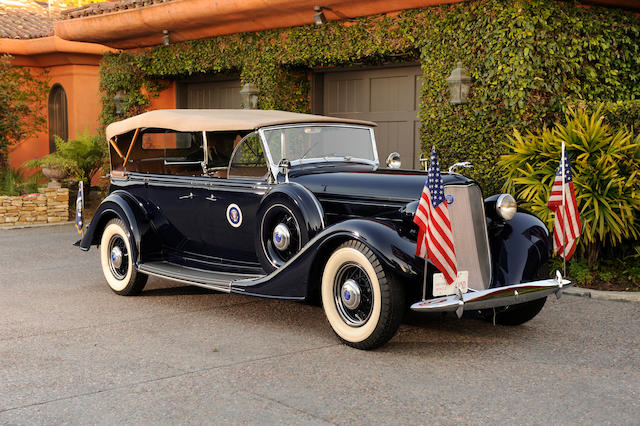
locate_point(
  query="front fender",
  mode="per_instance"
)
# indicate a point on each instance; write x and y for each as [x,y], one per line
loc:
[294,279]
[520,249]
[122,205]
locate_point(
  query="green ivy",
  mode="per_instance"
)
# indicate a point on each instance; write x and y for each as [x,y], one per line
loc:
[529,59]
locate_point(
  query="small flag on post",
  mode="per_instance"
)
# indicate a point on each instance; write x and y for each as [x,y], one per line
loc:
[435,239]
[562,201]
[80,208]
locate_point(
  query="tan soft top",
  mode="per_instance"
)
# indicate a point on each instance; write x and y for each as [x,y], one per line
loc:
[193,120]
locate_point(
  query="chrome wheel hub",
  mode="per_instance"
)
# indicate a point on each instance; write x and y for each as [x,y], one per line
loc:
[281,237]
[350,294]
[116,257]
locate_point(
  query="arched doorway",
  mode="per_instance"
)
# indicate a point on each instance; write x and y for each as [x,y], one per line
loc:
[58,123]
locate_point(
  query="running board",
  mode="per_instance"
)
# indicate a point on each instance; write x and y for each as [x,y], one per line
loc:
[213,280]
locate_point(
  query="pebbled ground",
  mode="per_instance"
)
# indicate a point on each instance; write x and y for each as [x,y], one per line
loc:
[71,351]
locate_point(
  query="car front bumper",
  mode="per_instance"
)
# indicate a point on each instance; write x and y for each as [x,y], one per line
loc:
[494,297]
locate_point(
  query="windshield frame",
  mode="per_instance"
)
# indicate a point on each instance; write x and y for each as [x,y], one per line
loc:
[295,162]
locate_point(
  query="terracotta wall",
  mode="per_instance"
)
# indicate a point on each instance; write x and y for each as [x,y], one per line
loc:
[81,84]
[166,99]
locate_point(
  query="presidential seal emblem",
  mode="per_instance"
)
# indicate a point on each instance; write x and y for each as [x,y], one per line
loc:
[449,199]
[234,215]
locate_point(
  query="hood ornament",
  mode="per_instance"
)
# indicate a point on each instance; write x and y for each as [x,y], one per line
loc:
[464,164]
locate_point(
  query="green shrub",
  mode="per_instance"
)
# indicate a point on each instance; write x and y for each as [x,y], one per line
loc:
[527,58]
[13,182]
[606,174]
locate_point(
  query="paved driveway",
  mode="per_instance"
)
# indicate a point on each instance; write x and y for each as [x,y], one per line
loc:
[73,351]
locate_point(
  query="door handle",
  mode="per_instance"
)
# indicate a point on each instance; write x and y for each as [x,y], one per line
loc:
[211,198]
[184,197]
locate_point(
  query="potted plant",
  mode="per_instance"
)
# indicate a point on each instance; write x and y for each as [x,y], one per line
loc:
[54,167]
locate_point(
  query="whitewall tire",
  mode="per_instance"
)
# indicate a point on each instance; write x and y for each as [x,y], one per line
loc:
[117,260]
[362,303]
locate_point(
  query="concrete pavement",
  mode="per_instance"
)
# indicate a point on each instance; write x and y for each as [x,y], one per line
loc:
[71,351]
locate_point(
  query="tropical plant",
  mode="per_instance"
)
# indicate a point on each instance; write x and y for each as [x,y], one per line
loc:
[14,182]
[82,157]
[606,173]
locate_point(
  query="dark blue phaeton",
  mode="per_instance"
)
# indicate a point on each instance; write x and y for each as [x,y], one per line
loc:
[294,206]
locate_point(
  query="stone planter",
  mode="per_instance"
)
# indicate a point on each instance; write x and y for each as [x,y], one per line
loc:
[54,175]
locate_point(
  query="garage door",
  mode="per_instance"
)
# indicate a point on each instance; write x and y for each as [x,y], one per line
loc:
[388,96]
[210,94]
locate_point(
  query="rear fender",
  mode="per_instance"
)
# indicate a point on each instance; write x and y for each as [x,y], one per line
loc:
[122,205]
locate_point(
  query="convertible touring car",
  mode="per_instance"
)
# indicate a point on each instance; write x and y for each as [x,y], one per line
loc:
[294,206]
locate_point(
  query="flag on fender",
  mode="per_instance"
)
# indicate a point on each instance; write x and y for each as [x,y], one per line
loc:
[435,239]
[562,201]
[80,207]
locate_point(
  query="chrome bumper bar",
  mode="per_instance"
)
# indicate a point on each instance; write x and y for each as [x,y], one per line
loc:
[494,297]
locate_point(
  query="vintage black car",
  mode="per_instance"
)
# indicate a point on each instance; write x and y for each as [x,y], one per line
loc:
[294,206]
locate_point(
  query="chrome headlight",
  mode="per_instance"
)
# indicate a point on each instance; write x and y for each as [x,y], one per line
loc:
[506,206]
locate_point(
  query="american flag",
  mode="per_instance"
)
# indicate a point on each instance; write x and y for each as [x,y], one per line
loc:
[435,239]
[80,208]
[566,227]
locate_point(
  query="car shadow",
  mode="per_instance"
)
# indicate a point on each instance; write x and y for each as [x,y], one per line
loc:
[186,290]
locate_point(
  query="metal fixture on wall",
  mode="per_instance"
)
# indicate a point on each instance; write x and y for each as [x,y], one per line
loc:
[249,94]
[459,84]
[319,17]
[165,38]
[118,102]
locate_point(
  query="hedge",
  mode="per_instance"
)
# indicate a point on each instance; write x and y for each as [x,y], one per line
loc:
[529,59]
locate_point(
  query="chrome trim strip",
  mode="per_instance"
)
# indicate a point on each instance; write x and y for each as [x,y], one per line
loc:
[494,297]
[226,288]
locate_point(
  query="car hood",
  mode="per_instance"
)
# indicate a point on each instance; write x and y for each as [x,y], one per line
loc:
[382,184]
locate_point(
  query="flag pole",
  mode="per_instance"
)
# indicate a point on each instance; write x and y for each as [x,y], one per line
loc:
[426,263]
[81,188]
[564,213]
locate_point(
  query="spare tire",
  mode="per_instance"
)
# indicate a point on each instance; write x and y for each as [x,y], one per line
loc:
[281,232]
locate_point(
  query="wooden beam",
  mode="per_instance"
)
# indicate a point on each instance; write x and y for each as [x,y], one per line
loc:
[135,136]
[113,144]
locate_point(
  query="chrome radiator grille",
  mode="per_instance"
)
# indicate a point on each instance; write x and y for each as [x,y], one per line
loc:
[469,227]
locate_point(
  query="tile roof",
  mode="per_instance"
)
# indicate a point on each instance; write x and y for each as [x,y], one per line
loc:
[26,19]
[107,7]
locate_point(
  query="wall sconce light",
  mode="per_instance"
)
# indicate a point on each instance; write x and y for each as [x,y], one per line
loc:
[249,94]
[459,84]
[165,38]
[118,102]
[318,17]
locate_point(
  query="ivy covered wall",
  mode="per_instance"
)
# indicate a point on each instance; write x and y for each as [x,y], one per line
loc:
[529,58]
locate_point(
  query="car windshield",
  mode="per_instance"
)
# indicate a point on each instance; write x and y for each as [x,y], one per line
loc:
[299,143]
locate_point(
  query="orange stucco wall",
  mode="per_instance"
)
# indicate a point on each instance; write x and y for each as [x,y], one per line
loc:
[81,84]
[166,98]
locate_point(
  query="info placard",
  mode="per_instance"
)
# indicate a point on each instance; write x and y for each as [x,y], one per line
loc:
[441,288]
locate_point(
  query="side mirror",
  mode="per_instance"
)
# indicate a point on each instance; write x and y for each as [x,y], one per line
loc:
[283,169]
[393,161]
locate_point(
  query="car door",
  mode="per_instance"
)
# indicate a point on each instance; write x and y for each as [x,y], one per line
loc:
[237,201]
[179,193]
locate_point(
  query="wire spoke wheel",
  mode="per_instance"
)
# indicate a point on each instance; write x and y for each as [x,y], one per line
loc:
[117,262]
[353,294]
[118,257]
[362,302]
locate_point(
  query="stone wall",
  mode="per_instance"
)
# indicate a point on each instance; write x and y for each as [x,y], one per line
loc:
[49,206]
